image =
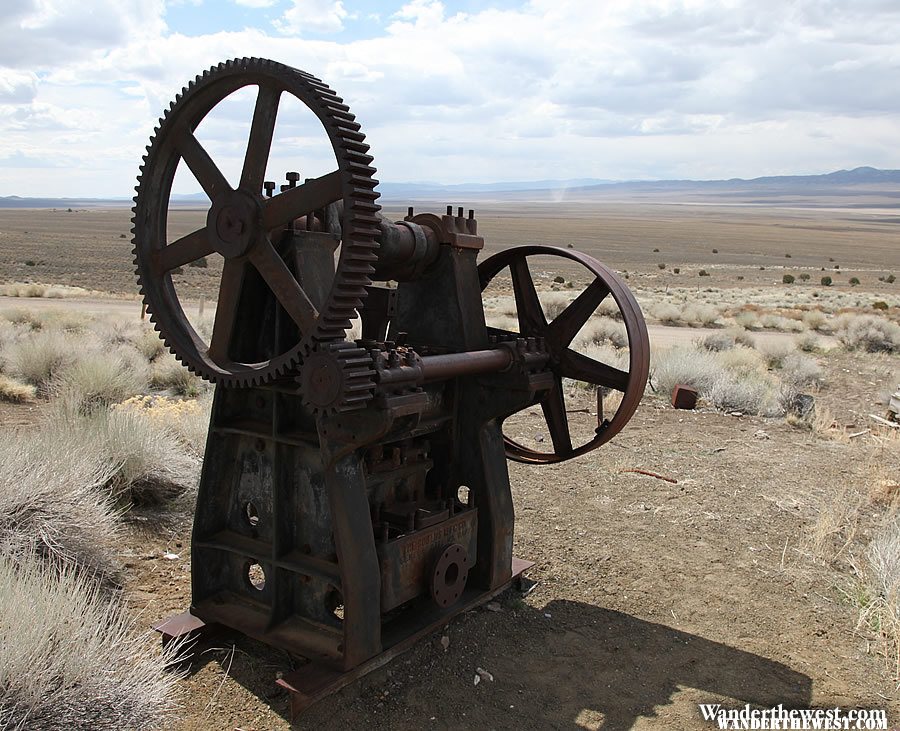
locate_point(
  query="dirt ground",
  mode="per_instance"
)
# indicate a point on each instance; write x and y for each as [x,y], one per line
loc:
[651,596]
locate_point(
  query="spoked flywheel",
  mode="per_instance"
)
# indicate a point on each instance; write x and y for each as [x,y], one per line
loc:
[565,361]
[243,226]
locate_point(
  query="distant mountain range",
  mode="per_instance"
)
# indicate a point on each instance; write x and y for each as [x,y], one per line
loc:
[833,182]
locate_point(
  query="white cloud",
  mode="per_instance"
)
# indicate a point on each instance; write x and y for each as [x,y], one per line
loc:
[256,3]
[553,88]
[312,16]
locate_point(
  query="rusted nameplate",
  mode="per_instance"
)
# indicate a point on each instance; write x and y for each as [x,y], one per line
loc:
[406,562]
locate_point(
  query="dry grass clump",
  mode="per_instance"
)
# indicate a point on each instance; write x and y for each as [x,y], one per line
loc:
[603,330]
[34,289]
[800,372]
[771,321]
[870,333]
[716,342]
[41,358]
[15,391]
[699,315]
[97,379]
[734,379]
[145,462]
[188,420]
[52,501]
[148,343]
[756,394]
[168,373]
[553,305]
[815,320]
[667,313]
[72,659]
[503,322]
[775,351]
[808,342]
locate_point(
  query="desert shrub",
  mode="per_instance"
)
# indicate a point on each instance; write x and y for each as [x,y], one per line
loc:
[187,419]
[749,395]
[72,659]
[40,358]
[609,308]
[742,337]
[201,263]
[804,277]
[879,305]
[661,265]
[699,314]
[747,319]
[169,373]
[742,361]
[884,562]
[869,333]
[771,321]
[807,342]
[680,365]
[554,305]
[656,251]
[501,322]
[97,379]
[15,391]
[775,351]
[717,342]
[715,251]
[667,313]
[787,279]
[149,344]
[854,281]
[703,273]
[799,371]
[826,281]
[814,319]
[787,256]
[676,270]
[603,330]
[890,279]
[52,505]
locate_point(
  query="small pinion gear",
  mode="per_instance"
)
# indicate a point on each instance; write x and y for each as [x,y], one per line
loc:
[243,226]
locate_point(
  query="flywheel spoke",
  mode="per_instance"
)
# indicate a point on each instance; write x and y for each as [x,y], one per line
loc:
[226,309]
[531,315]
[283,285]
[202,166]
[566,325]
[306,198]
[579,367]
[554,407]
[259,145]
[183,251]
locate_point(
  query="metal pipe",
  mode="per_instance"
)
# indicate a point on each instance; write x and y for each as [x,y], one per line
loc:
[452,365]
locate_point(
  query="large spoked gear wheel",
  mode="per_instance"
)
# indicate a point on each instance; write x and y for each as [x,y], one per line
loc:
[242,225]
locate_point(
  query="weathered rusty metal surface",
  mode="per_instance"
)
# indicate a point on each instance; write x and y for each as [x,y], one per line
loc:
[684,397]
[354,494]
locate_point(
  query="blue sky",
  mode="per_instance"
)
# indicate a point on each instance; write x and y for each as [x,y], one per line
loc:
[463,91]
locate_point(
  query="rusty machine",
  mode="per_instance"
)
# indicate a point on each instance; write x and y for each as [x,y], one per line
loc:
[354,493]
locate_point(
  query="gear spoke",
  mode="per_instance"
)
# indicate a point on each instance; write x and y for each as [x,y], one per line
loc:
[569,322]
[259,145]
[283,285]
[183,251]
[531,315]
[201,164]
[579,367]
[554,407]
[306,198]
[226,309]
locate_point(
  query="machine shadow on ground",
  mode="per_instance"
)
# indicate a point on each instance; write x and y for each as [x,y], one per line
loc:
[583,667]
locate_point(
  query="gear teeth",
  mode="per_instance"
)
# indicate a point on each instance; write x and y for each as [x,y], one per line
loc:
[358,248]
